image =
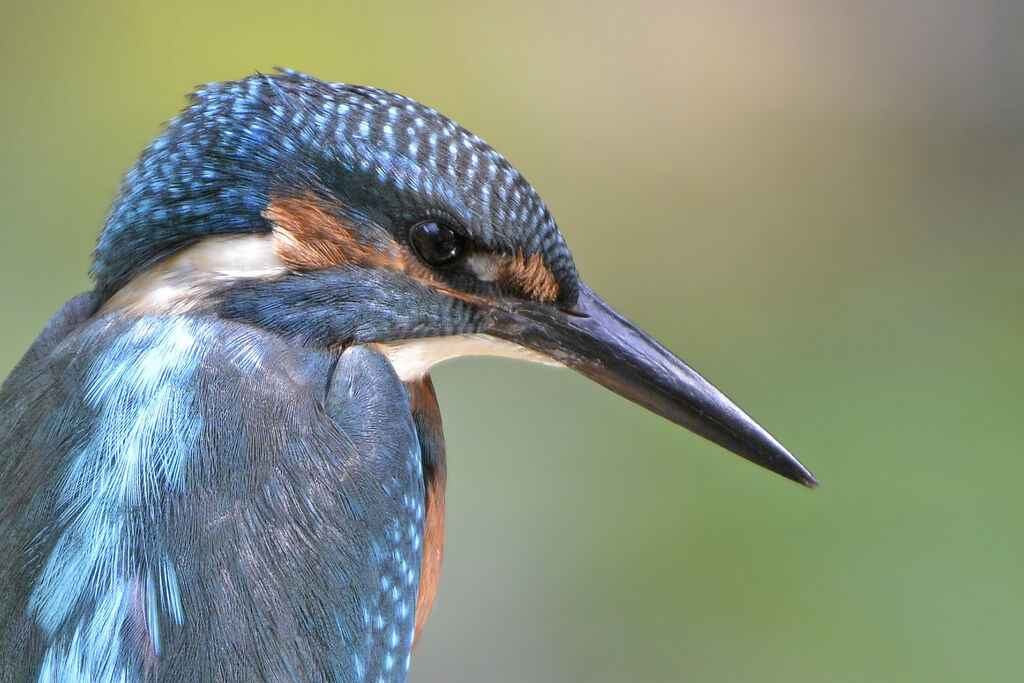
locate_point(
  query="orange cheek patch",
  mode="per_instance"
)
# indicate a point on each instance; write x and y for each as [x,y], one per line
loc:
[307,237]
[529,275]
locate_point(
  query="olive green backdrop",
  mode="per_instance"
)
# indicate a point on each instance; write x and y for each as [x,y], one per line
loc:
[818,205]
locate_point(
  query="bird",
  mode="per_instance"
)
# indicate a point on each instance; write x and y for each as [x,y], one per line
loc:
[225,461]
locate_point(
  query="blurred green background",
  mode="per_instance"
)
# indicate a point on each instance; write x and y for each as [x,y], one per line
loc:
[819,207]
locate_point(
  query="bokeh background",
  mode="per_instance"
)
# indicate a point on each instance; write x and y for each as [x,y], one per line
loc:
[819,205]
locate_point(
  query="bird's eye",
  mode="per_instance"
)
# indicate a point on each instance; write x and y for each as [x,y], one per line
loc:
[436,243]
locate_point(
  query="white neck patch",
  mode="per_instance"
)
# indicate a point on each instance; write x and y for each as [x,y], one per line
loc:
[180,283]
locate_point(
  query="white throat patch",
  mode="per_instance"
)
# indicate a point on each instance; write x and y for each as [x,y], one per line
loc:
[413,358]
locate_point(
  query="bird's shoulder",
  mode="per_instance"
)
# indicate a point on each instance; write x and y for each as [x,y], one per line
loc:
[204,498]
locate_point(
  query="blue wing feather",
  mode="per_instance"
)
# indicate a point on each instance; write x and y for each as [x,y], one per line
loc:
[190,499]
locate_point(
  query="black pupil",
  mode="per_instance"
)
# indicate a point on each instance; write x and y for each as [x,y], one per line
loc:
[436,243]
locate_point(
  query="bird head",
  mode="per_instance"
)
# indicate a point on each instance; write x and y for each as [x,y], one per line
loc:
[337,215]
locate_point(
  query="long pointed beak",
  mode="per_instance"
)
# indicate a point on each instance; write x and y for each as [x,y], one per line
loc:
[599,343]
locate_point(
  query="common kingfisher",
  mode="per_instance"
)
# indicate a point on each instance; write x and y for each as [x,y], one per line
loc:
[225,462]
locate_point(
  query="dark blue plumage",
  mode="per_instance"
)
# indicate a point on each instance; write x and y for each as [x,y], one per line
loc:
[326,306]
[225,463]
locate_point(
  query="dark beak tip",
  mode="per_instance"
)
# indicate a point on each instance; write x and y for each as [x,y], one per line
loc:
[791,468]
[808,479]
[775,457]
